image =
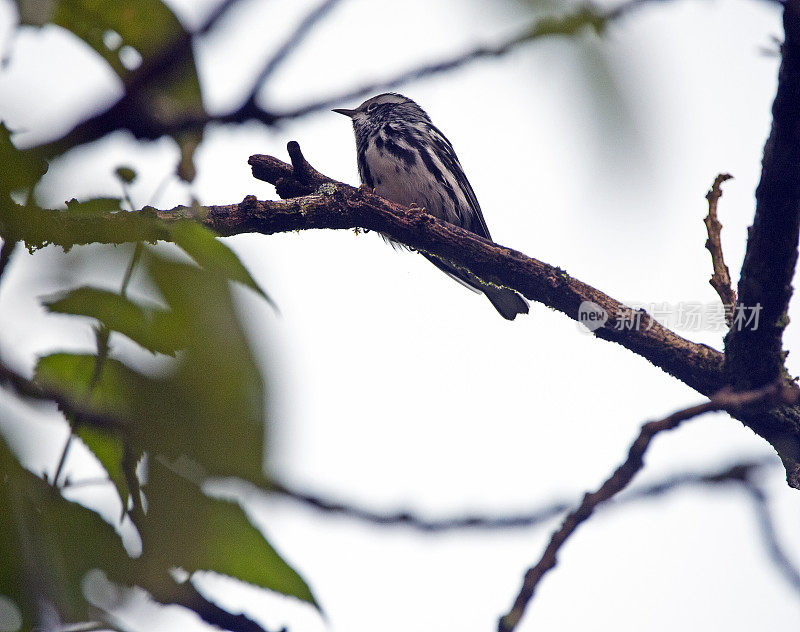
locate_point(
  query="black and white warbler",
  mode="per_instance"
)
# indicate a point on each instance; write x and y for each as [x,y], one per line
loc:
[406,159]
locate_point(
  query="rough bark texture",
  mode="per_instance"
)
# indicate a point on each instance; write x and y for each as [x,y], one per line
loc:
[721,279]
[344,206]
[754,355]
[316,201]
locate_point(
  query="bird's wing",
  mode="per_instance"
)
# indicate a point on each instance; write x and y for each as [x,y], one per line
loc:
[476,222]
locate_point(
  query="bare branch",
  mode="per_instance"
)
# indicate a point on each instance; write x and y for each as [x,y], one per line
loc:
[335,205]
[292,42]
[347,207]
[326,203]
[130,111]
[721,279]
[754,354]
[737,473]
[407,519]
[188,596]
[769,537]
[767,397]
[570,24]
[214,16]
[126,115]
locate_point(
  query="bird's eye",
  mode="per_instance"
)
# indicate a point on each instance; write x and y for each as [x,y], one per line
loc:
[371,107]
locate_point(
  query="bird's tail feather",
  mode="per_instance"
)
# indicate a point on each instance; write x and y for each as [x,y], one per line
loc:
[506,301]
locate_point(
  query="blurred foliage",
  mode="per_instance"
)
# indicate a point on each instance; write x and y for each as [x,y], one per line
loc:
[48,544]
[112,28]
[206,415]
[201,415]
[214,534]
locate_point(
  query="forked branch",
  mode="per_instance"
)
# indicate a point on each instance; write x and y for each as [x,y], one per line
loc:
[765,399]
[316,201]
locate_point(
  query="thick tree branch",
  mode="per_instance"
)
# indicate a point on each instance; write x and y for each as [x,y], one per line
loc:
[325,203]
[728,400]
[721,279]
[754,354]
[347,207]
[753,351]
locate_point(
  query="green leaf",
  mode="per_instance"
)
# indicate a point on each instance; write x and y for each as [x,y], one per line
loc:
[48,544]
[219,386]
[125,174]
[119,390]
[209,407]
[190,530]
[213,418]
[108,449]
[96,206]
[205,248]
[151,29]
[12,578]
[153,328]
[145,25]
[19,170]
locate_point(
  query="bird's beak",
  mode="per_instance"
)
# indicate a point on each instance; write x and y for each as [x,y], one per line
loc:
[350,113]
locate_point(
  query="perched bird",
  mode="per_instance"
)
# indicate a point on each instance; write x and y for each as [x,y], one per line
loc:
[406,159]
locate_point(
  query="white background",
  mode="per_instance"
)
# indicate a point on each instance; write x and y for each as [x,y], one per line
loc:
[394,388]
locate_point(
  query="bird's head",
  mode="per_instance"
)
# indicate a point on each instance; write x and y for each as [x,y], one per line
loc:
[384,107]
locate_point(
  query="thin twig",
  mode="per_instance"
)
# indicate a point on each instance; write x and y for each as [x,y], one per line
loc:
[769,537]
[126,112]
[732,474]
[767,397]
[103,349]
[128,466]
[126,279]
[548,26]
[721,279]
[291,43]
[63,458]
[214,16]
[146,127]
[29,389]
